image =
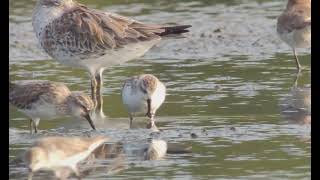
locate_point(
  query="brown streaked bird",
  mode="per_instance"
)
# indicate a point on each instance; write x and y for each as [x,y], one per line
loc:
[294,26]
[143,94]
[78,36]
[61,154]
[48,100]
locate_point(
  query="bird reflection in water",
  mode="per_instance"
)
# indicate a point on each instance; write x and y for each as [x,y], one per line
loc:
[296,106]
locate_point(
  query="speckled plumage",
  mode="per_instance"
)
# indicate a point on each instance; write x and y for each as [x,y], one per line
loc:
[86,38]
[47,99]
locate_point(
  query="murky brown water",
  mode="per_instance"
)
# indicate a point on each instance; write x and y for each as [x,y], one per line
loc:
[227,82]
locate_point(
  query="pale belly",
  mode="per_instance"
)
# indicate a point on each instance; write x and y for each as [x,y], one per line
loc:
[42,111]
[111,57]
[298,38]
[134,102]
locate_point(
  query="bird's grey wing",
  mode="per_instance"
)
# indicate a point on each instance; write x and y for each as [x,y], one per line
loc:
[84,30]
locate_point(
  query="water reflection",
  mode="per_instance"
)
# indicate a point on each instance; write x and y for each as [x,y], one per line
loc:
[296,106]
[111,157]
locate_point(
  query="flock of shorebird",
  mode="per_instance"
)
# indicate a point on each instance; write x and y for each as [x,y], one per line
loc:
[80,37]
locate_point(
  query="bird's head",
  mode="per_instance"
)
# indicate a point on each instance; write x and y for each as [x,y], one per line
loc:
[81,106]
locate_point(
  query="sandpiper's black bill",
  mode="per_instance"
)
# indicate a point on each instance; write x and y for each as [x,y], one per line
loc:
[87,116]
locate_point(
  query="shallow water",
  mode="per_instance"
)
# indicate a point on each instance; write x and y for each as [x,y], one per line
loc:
[226,82]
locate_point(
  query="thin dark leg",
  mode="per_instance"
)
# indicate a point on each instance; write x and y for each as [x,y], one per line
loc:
[31,126]
[35,127]
[149,108]
[297,60]
[131,119]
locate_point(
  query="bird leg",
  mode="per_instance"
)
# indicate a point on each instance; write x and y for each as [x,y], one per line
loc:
[149,108]
[131,119]
[35,124]
[93,91]
[150,115]
[31,125]
[296,79]
[99,97]
[98,77]
[297,60]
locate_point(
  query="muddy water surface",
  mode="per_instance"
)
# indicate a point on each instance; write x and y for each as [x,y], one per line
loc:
[228,82]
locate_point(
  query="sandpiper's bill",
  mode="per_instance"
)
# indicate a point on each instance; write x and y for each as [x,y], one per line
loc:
[81,37]
[49,100]
[294,26]
[61,154]
[143,94]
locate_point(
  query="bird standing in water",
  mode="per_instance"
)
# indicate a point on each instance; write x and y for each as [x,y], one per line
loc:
[143,94]
[294,26]
[48,100]
[78,36]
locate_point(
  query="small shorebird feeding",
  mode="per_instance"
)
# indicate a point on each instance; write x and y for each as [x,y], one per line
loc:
[61,154]
[48,100]
[86,38]
[143,94]
[294,26]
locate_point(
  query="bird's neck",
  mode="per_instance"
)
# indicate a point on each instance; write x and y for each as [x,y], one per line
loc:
[43,15]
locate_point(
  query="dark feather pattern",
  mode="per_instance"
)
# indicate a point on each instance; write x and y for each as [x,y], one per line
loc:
[84,31]
[24,95]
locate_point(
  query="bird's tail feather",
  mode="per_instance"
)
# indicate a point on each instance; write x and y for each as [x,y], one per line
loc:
[174,30]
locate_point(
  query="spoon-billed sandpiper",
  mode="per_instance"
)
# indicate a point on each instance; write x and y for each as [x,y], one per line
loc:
[86,38]
[143,94]
[294,26]
[48,100]
[61,154]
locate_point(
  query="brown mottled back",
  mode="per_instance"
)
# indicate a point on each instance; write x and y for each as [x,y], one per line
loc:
[25,94]
[81,30]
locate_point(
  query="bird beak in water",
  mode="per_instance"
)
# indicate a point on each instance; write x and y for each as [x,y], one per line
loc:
[88,118]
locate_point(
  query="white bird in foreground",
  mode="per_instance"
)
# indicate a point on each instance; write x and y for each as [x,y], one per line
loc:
[143,94]
[61,154]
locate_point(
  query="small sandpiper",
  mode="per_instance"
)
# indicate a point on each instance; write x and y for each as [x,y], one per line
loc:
[61,154]
[49,100]
[78,36]
[143,94]
[294,26]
